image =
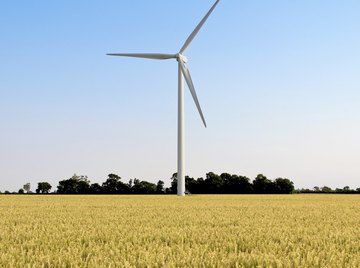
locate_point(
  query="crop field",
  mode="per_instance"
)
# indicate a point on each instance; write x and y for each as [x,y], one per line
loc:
[168,231]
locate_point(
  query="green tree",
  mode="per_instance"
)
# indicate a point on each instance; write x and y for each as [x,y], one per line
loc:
[228,183]
[191,185]
[173,186]
[160,187]
[338,190]
[110,186]
[200,183]
[213,183]
[43,188]
[316,189]
[75,185]
[143,187]
[114,185]
[326,189]
[346,189]
[283,186]
[234,184]
[262,185]
[96,188]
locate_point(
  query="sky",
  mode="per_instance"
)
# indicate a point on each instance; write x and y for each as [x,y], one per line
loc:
[278,83]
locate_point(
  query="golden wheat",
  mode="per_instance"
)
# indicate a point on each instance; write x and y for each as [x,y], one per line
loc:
[168,231]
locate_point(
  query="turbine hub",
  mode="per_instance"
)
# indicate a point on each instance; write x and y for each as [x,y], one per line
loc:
[182,57]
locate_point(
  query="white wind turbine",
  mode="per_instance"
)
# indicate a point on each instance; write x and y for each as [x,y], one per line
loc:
[182,72]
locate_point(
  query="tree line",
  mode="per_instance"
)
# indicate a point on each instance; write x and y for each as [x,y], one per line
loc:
[212,184]
[328,190]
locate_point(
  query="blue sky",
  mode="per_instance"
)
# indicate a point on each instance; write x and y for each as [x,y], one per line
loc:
[278,82]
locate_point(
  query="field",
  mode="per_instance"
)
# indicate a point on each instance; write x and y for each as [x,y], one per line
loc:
[167,231]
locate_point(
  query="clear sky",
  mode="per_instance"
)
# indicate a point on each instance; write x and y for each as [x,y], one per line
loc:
[278,82]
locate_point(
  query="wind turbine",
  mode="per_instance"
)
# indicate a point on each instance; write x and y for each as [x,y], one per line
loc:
[183,71]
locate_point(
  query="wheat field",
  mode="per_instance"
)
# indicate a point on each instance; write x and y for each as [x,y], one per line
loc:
[170,231]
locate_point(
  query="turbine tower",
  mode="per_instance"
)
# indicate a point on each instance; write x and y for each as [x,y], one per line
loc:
[183,72]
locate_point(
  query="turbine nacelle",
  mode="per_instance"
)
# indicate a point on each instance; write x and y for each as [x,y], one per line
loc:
[182,57]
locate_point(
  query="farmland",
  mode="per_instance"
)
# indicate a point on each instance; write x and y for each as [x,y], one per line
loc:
[168,231]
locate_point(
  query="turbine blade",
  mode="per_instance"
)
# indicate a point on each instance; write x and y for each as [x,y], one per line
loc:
[197,29]
[190,84]
[155,56]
